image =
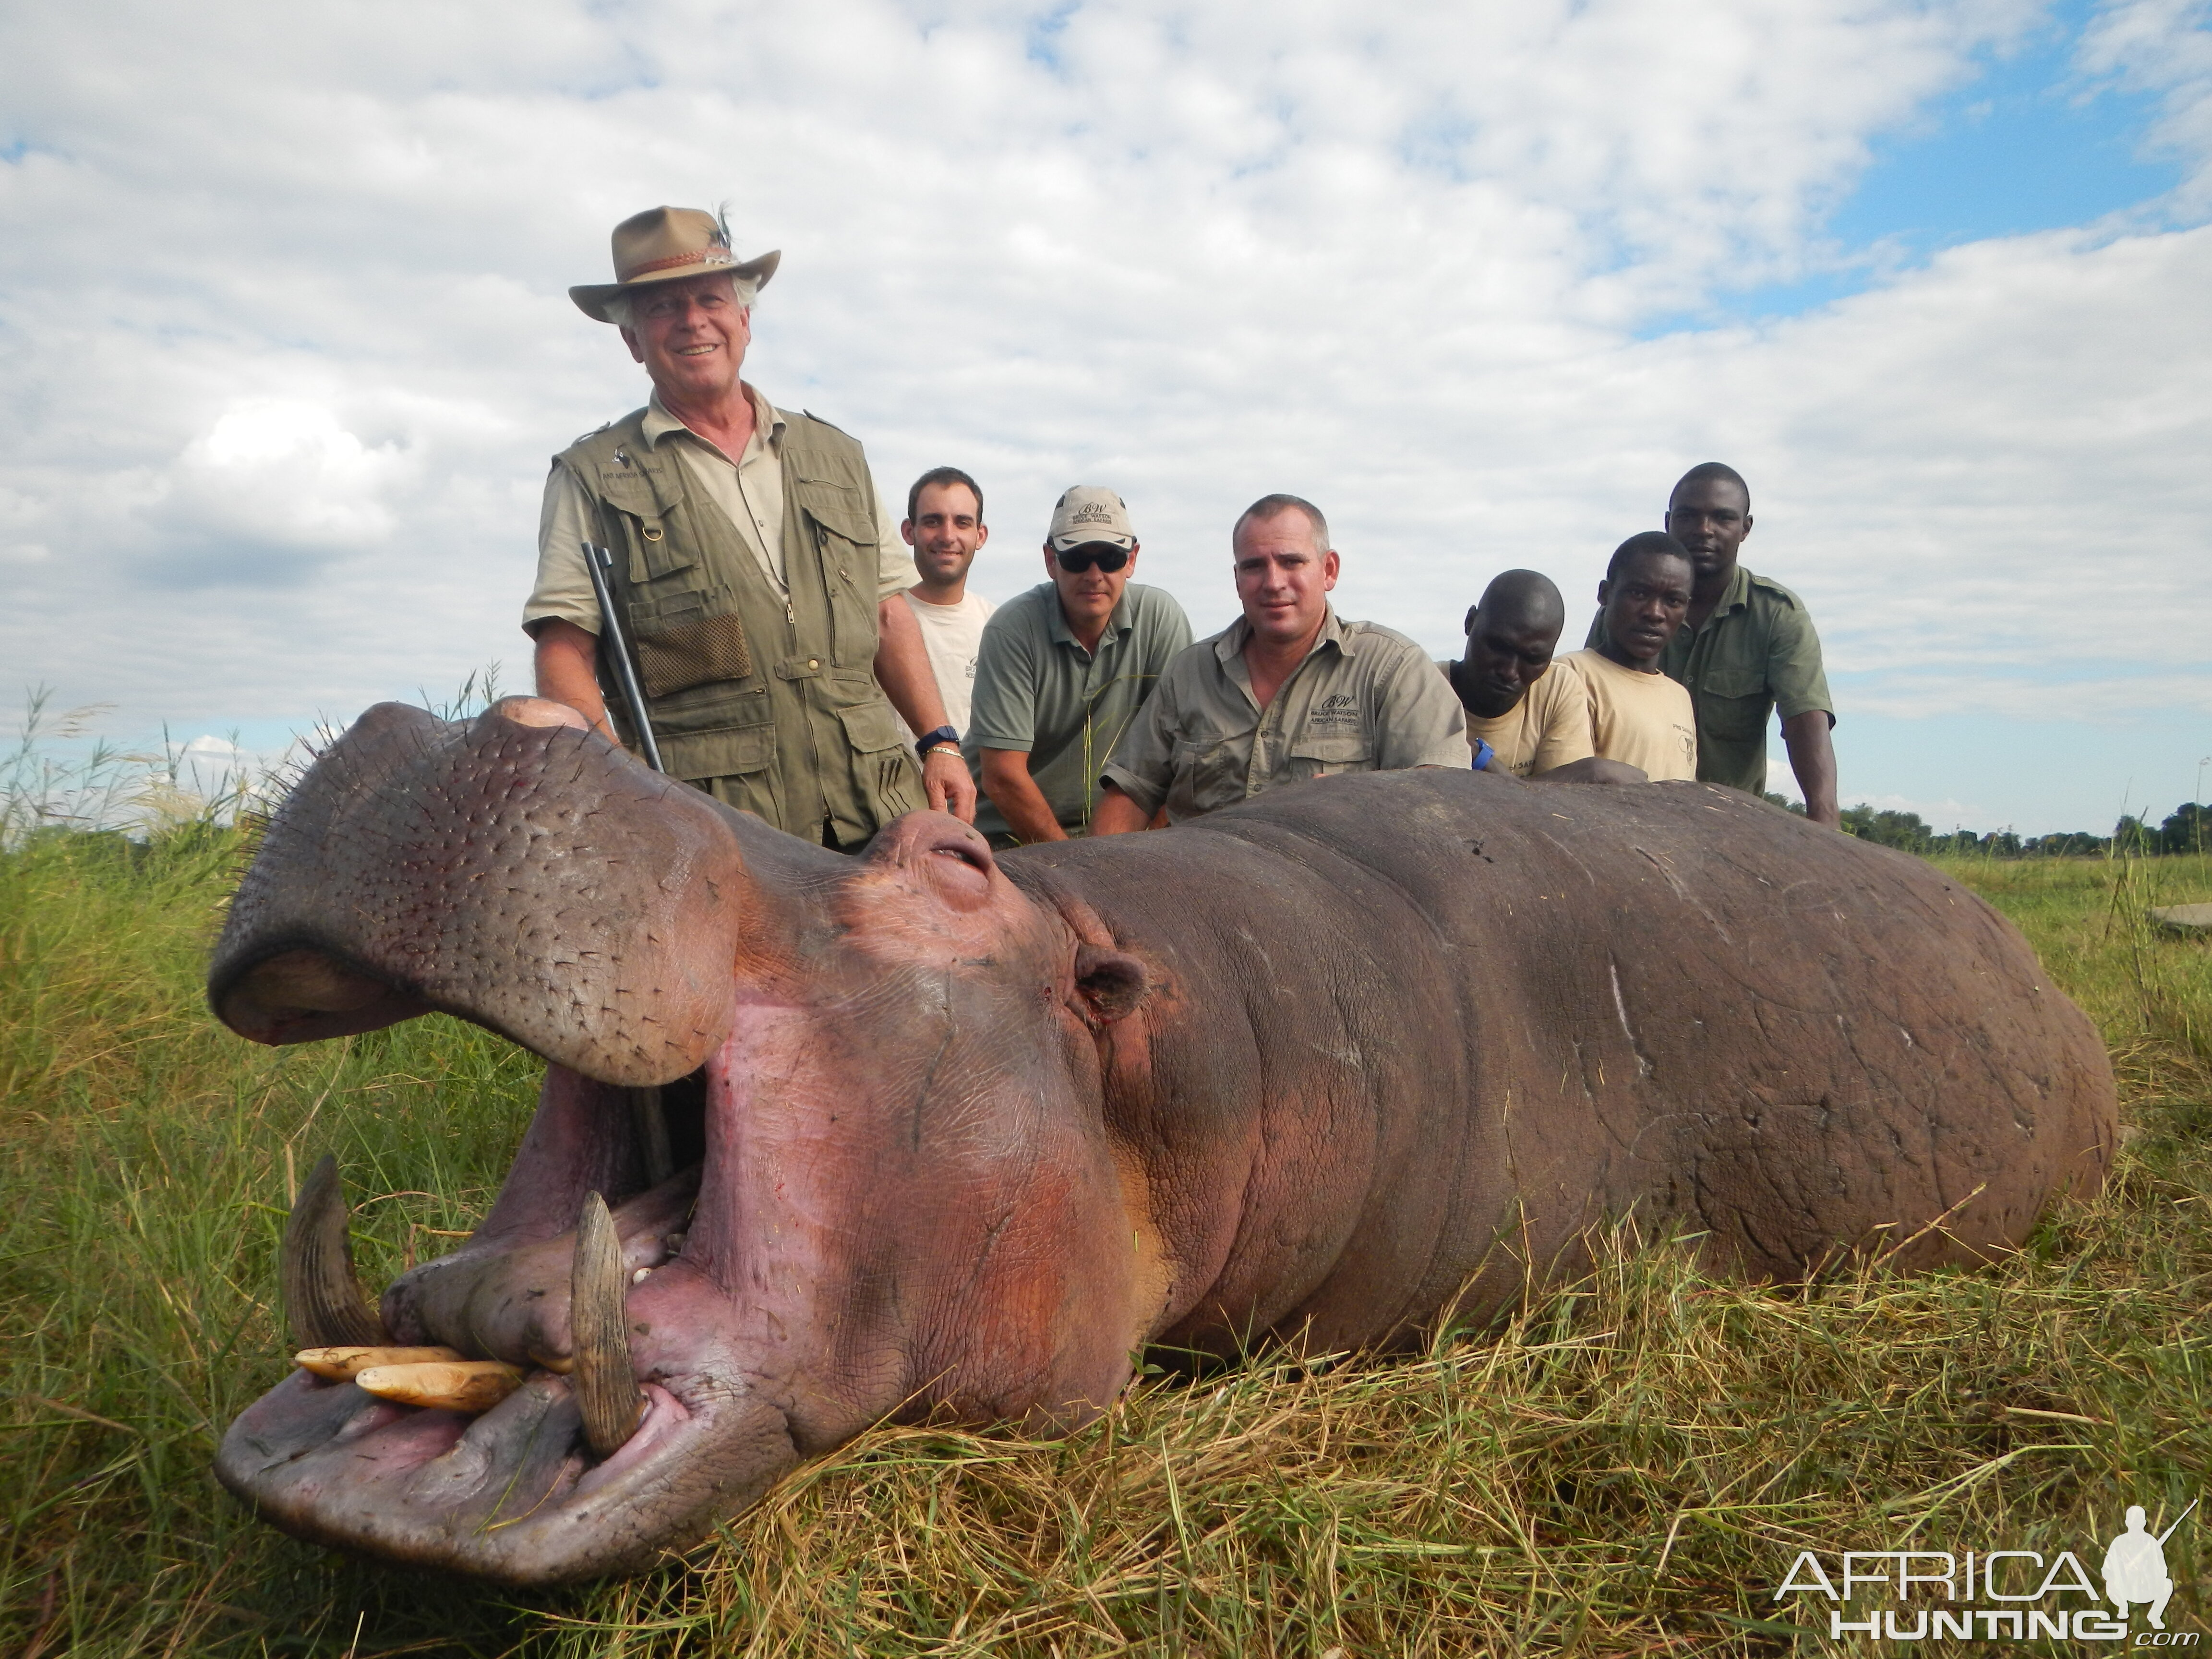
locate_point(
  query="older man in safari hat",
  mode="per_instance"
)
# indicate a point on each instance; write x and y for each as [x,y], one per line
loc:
[757,568]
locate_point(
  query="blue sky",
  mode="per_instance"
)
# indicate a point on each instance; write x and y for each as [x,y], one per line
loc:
[281,314]
[2025,142]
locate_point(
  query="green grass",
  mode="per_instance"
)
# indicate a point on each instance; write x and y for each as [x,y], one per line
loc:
[1627,1466]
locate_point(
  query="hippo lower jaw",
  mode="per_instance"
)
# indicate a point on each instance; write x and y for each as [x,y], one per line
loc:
[513,1495]
[517,1494]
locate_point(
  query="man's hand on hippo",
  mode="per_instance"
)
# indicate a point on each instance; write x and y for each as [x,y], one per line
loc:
[564,660]
[946,775]
[910,684]
[1813,758]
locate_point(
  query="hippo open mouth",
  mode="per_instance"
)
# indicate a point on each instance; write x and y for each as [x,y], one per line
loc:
[629,1408]
[702,1265]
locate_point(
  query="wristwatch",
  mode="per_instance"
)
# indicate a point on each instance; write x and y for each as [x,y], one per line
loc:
[944,736]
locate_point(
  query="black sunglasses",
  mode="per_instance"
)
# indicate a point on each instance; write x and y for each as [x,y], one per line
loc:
[1078,559]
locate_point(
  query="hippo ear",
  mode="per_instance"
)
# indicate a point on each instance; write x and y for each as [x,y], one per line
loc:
[1115,985]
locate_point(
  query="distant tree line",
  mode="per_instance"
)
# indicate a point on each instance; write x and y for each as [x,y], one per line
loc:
[2187,828]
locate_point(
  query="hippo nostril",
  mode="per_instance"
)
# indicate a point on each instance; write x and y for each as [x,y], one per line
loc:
[306,994]
[972,850]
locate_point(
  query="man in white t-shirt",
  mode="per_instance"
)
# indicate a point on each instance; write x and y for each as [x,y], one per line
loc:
[1637,714]
[945,527]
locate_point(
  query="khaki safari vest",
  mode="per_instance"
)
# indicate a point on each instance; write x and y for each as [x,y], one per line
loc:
[771,704]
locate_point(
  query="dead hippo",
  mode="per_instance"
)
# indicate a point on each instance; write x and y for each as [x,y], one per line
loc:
[965,1133]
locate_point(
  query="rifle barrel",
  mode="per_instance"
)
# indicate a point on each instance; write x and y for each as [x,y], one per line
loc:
[2178,1520]
[598,562]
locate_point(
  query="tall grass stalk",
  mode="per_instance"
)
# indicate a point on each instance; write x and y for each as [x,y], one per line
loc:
[1627,1465]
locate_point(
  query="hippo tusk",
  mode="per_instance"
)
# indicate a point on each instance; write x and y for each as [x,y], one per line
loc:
[323,1299]
[607,1393]
[343,1365]
[461,1385]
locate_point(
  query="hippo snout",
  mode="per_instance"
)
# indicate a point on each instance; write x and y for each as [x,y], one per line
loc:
[518,870]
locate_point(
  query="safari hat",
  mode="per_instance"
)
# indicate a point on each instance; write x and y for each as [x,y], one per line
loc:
[1090,513]
[663,244]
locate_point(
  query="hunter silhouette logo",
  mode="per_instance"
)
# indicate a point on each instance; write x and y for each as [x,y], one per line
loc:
[2135,1567]
[2022,1594]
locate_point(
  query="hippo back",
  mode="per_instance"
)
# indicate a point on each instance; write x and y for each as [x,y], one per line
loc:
[1416,1022]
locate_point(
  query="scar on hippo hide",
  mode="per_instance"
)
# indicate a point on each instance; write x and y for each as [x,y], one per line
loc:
[1114,984]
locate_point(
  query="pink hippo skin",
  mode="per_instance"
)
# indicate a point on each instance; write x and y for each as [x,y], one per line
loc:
[965,1134]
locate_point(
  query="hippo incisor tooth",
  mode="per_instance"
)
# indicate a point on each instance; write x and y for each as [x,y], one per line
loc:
[323,1299]
[607,1393]
[340,1364]
[458,1385]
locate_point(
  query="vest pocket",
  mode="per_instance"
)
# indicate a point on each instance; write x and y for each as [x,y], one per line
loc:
[677,658]
[722,752]
[689,640]
[870,726]
[643,501]
[881,757]
[655,554]
[897,782]
[836,508]
[844,534]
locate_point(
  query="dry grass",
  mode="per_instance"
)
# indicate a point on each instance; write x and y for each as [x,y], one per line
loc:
[1627,1466]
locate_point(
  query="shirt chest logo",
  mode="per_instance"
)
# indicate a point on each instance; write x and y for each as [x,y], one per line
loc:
[1336,712]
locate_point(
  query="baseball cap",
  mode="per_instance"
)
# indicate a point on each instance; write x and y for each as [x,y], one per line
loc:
[1088,513]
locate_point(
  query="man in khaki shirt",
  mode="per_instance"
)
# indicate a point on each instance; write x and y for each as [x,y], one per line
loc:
[1635,715]
[1287,693]
[1522,707]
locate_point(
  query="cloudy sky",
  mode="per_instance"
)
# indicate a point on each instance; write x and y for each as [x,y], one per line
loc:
[286,344]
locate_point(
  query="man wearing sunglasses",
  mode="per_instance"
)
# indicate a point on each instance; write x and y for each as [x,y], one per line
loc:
[1062,672]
